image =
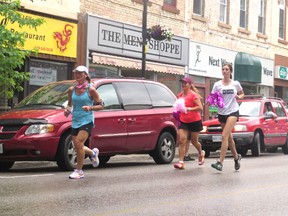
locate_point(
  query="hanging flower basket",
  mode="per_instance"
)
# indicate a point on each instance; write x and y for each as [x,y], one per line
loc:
[160,32]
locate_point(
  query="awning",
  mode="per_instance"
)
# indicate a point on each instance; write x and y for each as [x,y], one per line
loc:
[98,58]
[247,68]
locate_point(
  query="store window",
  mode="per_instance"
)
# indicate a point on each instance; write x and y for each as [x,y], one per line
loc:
[171,81]
[44,72]
[102,71]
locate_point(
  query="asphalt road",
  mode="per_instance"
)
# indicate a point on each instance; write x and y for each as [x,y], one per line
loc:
[135,185]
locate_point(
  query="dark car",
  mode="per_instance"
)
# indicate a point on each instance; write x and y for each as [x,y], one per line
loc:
[262,126]
[137,119]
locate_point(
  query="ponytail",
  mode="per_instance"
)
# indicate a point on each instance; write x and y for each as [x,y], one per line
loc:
[194,89]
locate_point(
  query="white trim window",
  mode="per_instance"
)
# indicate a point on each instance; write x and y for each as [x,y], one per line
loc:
[223,11]
[198,7]
[243,13]
[281,19]
[170,2]
[261,16]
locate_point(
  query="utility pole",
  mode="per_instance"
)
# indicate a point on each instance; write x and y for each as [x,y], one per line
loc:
[144,37]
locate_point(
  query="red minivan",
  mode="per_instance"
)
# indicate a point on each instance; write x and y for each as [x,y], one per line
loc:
[137,119]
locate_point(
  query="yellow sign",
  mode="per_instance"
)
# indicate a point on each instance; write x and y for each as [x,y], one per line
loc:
[54,37]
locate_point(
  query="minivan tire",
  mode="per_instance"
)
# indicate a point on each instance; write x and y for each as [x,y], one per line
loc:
[6,165]
[164,151]
[66,155]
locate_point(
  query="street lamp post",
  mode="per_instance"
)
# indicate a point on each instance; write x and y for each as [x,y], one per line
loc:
[144,37]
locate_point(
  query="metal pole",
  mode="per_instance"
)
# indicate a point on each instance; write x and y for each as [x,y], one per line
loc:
[144,37]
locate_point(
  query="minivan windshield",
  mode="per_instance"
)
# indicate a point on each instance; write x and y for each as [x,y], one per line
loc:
[55,94]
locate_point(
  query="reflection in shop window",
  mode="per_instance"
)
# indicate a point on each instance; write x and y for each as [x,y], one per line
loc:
[43,72]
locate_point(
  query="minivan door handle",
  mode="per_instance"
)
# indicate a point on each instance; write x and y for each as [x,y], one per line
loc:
[122,120]
[131,119]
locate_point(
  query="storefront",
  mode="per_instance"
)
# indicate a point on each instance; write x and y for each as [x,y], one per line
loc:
[115,49]
[56,42]
[281,77]
[254,73]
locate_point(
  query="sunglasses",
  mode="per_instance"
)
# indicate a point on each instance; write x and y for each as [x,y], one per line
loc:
[184,83]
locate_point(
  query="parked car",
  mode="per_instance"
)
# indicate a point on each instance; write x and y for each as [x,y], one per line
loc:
[262,126]
[137,119]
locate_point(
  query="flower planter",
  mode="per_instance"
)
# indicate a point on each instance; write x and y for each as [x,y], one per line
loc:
[159,33]
[158,37]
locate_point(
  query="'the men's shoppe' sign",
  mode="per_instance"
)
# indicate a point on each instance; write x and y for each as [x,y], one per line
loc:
[116,38]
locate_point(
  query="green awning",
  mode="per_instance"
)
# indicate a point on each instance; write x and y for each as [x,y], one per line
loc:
[247,68]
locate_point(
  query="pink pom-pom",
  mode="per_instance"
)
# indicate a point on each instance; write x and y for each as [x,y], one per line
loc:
[180,105]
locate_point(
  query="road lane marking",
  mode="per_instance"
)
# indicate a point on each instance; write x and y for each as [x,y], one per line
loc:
[25,176]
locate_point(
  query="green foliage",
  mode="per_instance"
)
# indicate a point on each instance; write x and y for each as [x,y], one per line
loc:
[12,57]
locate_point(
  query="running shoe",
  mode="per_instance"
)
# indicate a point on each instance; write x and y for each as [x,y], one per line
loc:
[179,165]
[201,158]
[94,158]
[237,162]
[218,166]
[77,174]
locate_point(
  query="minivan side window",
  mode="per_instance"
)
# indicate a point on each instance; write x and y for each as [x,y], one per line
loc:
[134,95]
[161,97]
[109,96]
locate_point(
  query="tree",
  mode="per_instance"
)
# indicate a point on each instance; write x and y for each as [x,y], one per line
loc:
[12,56]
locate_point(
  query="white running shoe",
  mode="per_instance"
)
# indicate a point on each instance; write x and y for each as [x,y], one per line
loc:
[77,174]
[94,159]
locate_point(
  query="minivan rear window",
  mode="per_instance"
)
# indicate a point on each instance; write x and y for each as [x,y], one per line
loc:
[134,95]
[161,97]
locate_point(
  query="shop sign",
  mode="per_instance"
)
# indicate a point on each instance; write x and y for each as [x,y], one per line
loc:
[206,61]
[54,37]
[115,38]
[281,72]
[42,76]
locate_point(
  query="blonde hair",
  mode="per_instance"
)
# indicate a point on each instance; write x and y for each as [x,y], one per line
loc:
[193,88]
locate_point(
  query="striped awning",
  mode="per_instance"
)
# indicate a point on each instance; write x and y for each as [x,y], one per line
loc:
[98,58]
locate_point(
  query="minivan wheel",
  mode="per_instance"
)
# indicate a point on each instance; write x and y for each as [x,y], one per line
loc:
[103,160]
[6,165]
[66,156]
[164,151]
[243,151]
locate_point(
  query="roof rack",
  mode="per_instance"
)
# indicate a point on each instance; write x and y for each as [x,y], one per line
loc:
[275,98]
[253,96]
